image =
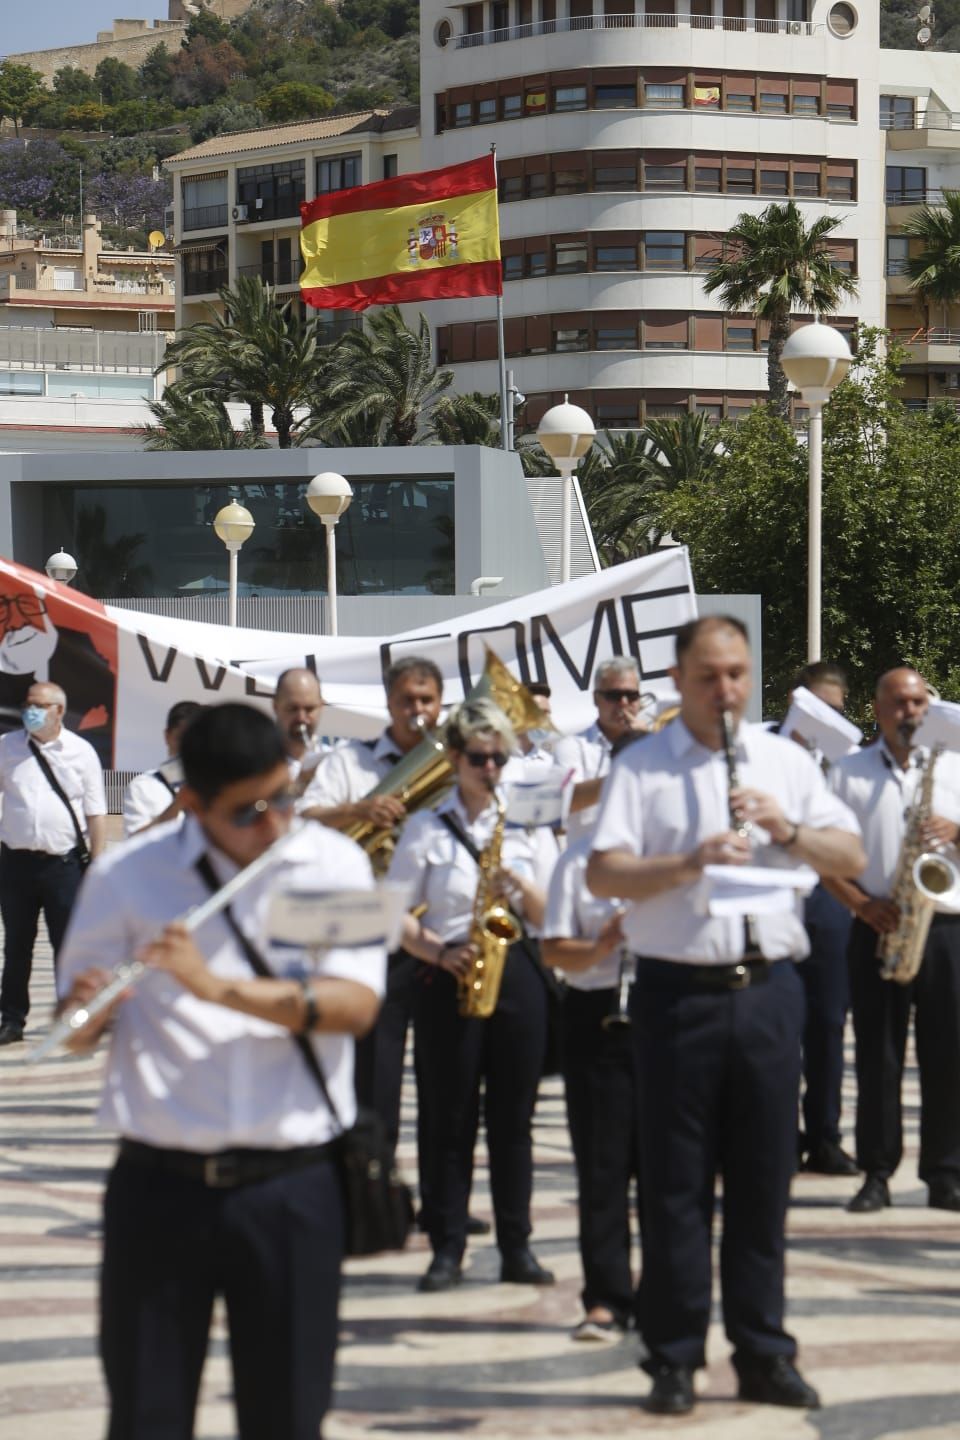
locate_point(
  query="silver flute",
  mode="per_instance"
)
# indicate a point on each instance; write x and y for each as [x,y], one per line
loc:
[628,973]
[126,976]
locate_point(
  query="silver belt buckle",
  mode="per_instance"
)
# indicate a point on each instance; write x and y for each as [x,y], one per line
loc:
[220,1172]
[740,978]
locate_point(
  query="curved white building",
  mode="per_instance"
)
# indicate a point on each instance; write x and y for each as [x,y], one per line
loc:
[628,141]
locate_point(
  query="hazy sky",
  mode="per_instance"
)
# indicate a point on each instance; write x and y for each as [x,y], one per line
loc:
[45,24]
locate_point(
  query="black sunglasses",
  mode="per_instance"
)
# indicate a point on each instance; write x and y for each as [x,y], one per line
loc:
[616,696]
[478,759]
[246,815]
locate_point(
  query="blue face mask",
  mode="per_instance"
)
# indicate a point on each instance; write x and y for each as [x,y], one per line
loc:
[34,718]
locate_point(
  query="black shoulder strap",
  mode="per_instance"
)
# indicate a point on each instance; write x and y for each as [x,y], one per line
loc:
[58,789]
[457,831]
[159,775]
[260,966]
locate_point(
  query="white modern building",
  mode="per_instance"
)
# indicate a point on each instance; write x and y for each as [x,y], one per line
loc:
[630,134]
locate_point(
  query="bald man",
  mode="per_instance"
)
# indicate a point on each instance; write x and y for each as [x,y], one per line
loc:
[880,785]
[297,706]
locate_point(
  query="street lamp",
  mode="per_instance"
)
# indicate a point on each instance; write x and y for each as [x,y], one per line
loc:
[329,496]
[233,525]
[61,566]
[566,433]
[815,359]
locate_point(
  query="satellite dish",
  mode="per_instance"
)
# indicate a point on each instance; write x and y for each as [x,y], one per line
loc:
[924,34]
[156,238]
[923,14]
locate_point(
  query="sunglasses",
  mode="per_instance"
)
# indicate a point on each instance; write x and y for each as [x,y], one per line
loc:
[247,815]
[479,759]
[616,696]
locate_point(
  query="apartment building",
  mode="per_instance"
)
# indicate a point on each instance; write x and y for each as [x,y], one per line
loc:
[920,125]
[630,134]
[237,197]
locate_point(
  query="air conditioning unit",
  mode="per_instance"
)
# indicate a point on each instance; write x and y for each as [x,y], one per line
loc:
[796,27]
[240,212]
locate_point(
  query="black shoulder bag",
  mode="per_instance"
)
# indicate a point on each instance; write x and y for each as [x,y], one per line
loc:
[83,849]
[378,1206]
[529,947]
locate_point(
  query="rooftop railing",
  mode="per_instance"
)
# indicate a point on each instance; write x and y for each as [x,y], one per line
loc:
[36,348]
[630,21]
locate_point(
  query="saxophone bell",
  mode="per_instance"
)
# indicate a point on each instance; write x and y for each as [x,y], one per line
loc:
[938,880]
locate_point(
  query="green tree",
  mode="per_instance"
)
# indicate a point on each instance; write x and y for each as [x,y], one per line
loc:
[186,421]
[88,116]
[156,73]
[773,264]
[386,373]
[116,82]
[259,353]
[472,419]
[934,269]
[73,86]
[292,101]
[20,89]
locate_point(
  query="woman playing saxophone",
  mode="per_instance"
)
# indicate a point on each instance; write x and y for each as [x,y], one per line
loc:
[448,856]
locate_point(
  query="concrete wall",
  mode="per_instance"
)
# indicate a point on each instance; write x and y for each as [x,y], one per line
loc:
[130,49]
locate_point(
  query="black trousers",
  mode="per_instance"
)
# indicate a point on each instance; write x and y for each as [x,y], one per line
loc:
[31,882]
[600,1077]
[719,1082]
[505,1053]
[881,1020]
[826,987]
[272,1249]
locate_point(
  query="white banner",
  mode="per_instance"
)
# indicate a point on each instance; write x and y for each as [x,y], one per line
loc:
[122,670]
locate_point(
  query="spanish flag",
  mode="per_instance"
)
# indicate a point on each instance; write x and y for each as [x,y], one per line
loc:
[430,236]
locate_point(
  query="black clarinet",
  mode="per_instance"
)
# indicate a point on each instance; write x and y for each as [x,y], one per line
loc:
[628,973]
[740,826]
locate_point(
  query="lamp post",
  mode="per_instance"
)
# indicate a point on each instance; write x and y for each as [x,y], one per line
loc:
[61,566]
[233,525]
[566,433]
[815,359]
[329,496]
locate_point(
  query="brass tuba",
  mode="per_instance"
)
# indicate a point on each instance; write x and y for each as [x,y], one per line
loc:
[422,778]
[493,931]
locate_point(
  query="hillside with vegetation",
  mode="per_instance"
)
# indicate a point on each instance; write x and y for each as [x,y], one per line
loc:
[899,25]
[110,132]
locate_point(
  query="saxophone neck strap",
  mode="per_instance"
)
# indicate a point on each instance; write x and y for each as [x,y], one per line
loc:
[457,831]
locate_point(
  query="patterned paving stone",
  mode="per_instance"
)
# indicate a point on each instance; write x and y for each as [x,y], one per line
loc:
[874,1302]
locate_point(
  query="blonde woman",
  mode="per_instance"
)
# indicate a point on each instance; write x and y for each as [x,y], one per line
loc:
[437,855]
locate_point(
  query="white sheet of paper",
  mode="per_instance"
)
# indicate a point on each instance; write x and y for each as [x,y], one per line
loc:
[753,889]
[819,724]
[545,802]
[324,919]
[940,725]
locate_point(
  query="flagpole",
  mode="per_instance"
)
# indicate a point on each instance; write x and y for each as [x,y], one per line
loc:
[501,354]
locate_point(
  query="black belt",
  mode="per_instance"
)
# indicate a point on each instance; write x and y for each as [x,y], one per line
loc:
[73,854]
[225,1169]
[739,975]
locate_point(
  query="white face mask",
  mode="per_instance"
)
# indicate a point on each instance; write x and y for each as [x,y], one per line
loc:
[34,717]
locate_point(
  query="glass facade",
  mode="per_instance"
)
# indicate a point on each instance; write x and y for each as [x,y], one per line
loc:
[397,538]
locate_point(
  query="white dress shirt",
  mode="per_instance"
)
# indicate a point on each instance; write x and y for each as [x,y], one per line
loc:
[588,756]
[881,794]
[188,1074]
[350,772]
[667,795]
[442,873]
[34,817]
[574,914]
[146,797]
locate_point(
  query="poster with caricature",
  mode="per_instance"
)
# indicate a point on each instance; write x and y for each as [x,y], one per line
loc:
[48,632]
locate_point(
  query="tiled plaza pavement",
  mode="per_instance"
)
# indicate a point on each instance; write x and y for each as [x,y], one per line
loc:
[875,1302]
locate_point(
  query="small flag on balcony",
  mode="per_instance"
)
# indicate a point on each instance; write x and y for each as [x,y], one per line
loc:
[430,236]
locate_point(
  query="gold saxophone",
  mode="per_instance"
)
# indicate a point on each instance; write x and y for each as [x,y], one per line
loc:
[925,881]
[493,930]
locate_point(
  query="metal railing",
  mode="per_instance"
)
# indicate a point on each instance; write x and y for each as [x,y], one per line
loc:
[204,282]
[567,23]
[927,335]
[129,351]
[205,217]
[915,195]
[921,406]
[929,120]
[282,207]
[276,272]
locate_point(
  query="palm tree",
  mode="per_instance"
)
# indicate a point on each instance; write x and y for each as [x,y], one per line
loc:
[110,568]
[773,264]
[386,373]
[935,270]
[186,420]
[472,419]
[259,352]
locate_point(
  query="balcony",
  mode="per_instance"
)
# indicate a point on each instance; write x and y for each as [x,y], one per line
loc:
[275,272]
[935,130]
[930,348]
[103,292]
[280,207]
[204,282]
[901,204]
[564,24]
[205,217]
[128,352]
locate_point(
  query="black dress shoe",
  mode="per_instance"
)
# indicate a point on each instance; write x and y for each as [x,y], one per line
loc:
[874,1194]
[829,1158]
[10,1032]
[672,1392]
[774,1381]
[944,1194]
[476,1226]
[444,1274]
[522,1267]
